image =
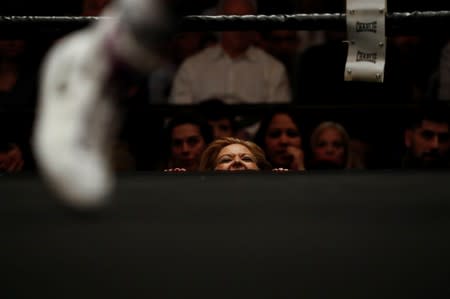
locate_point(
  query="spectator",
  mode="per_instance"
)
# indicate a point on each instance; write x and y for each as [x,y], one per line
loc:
[220,117]
[232,154]
[187,137]
[233,70]
[280,138]
[427,138]
[330,147]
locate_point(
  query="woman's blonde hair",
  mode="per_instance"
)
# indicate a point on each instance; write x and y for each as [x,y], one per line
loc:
[344,135]
[208,159]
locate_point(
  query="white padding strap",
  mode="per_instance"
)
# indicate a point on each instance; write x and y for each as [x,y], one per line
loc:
[367,40]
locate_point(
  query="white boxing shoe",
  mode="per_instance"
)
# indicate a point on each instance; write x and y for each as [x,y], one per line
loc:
[75,112]
[76,118]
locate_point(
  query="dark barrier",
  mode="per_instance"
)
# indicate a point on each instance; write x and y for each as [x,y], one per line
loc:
[307,235]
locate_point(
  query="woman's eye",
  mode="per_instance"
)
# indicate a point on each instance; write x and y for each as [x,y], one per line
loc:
[247,159]
[292,133]
[224,160]
[274,134]
[192,141]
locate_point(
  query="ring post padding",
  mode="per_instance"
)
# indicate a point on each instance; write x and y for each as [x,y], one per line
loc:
[366,33]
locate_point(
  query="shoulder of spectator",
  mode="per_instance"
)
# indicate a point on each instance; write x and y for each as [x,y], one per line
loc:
[203,56]
[265,57]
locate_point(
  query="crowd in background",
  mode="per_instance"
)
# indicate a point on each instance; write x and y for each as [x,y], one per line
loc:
[253,100]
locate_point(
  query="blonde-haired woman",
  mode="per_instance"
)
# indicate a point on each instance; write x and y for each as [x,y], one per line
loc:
[233,154]
[330,147]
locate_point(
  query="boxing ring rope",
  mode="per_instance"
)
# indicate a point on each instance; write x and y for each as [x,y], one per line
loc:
[397,23]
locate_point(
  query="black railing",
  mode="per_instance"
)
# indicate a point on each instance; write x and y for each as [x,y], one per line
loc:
[397,23]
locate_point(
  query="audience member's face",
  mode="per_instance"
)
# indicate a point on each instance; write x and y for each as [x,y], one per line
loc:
[221,128]
[187,146]
[329,147]
[429,143]
[238,40]
[282,133]
[235,157]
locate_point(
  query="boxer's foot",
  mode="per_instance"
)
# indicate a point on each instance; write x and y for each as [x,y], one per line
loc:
[76,117]
[75,120]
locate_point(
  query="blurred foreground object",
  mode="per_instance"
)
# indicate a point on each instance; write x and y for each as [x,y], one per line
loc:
[82,80]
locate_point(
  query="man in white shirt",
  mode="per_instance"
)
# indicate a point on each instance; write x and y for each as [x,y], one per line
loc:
[233,70]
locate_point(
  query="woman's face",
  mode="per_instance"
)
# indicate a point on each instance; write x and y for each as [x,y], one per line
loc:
[282,134]
[187,146]
[235,157]
[329,147]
